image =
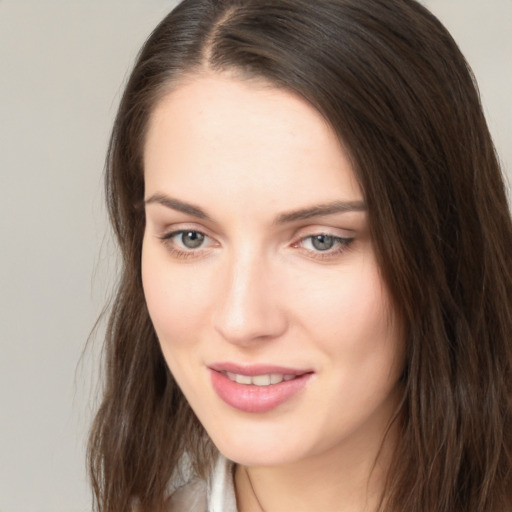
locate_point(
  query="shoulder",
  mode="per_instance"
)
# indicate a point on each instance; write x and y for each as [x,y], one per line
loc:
[191,497]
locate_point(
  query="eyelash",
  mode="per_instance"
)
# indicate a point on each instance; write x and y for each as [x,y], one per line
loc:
[342,244]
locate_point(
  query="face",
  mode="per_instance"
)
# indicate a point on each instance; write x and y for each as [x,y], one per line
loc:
[260,275]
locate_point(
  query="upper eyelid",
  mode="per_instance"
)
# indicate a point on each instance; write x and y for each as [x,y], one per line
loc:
[332,231]
[174,232]
[169,229]
[336,232]
[323,233]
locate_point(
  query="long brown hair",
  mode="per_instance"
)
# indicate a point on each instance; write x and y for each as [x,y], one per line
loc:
[394,86]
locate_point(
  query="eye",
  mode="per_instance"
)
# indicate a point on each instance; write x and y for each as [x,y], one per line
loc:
[323,246]
[186,241]
[189,239]
[324,243]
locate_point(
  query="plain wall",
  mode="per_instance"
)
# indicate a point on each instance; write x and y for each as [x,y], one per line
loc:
[62,65]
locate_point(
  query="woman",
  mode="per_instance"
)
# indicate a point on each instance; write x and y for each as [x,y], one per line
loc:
[315,302]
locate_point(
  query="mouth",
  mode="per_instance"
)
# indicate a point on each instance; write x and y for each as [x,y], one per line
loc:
[259,380]
[257,388]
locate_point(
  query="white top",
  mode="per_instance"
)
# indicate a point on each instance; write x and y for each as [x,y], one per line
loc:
[215,495]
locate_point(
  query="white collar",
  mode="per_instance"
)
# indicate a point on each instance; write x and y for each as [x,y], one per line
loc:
[221,488]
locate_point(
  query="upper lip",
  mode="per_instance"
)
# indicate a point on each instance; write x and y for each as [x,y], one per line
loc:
[256,369]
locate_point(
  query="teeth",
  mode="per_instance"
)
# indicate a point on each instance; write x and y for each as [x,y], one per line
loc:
[259,380]
[243,379]
[275,378]
[231,376]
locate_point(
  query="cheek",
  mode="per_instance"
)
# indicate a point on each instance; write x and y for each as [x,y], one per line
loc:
[350,308]
[352,320]
[363,350]
[176,305]
[175,300]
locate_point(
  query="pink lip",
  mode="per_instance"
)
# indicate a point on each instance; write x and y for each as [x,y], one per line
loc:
[252,398]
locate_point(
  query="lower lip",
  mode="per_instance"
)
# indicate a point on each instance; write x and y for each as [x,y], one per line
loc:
[256,399]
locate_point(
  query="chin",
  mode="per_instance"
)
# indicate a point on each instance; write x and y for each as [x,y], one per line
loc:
[260,457]
[258,446]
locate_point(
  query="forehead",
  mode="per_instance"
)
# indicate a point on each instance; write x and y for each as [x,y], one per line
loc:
[243,136]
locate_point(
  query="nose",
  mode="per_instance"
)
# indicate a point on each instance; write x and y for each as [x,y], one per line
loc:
[249,306]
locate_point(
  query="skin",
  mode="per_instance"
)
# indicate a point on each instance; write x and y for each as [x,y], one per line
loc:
[259,291]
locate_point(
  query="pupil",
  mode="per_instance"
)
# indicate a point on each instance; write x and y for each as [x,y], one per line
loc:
[192,239]
[323,242]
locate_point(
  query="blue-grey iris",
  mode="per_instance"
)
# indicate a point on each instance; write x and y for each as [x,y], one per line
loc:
[192,239]
[323,242]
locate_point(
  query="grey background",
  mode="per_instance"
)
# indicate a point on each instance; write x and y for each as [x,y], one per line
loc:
[62,65]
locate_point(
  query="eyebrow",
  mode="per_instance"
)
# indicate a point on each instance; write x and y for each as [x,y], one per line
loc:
[321,210]
[176,204]
[318,210]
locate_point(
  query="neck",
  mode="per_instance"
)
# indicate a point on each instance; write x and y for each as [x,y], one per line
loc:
[346,478]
